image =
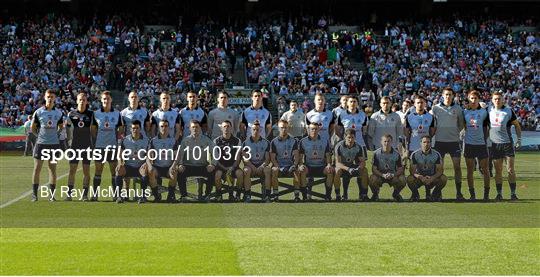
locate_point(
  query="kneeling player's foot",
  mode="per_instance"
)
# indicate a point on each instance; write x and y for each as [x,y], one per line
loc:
[437,198]
[52,199]
[231,197]
[364,198]
[499,197]
[345,197]
[472,198]
[275,198]
[183,199]
[296,199]
[171,199]
[429,198]
[309,197]
[119,200]
[219,198]
[34,198]
[142,200]
[514,197]
[200,198]
[397,197]
[459,197]
[85,198]
[247,199]
[68,198]
[266,199]
[157,198]
[414,198]
[338,198]
[206,199]
[327,198]
[375,197]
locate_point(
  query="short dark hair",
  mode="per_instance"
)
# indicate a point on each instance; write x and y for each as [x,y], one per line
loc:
[350,131]
[426,136]
[283,121]
[387,136]
[224,93]
[448,89]
[420,97]
[136,122]
[255,91]
[165,121]
[496,93]
[194,121]
[474,92]
[226,121]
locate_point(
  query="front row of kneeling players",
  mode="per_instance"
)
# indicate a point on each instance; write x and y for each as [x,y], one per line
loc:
[284,156]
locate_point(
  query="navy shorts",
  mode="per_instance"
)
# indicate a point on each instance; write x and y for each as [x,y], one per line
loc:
[284,171]
[162,172]
[501,150]
[451,148]
[476,151]
[84,156]
[38,150]
[315,171]
[132,171]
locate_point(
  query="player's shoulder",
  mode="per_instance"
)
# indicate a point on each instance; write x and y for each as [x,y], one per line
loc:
[340,144]
[416,152]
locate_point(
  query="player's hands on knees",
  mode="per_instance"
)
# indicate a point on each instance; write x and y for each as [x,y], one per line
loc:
[302,168]
[210,168]
[181,168]
[292,168]
[329,168]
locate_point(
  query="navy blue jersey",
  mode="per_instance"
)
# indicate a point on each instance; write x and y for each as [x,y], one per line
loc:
[80,122]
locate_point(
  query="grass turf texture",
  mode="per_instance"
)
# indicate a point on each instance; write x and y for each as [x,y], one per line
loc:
[311,238]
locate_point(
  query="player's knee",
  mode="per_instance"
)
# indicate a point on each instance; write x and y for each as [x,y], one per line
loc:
[328,170]
[402,180]
[239,173]
[143,170]
[218,175]
[444,179]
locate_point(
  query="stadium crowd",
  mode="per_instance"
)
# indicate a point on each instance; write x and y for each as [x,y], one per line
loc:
[287,57]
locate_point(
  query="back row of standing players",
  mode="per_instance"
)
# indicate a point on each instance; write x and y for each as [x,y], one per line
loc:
[335,146]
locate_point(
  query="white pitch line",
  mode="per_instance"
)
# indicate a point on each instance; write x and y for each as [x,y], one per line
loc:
[26,194]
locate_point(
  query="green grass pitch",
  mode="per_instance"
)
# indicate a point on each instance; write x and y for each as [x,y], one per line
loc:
[103,238]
